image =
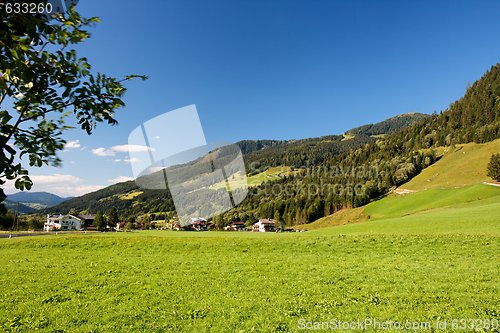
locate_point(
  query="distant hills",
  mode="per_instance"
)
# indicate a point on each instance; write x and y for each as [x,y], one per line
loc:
[362,165]
[130,199]
[18,207]
[29,202]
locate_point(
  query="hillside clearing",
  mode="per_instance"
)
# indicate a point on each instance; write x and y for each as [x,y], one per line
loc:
[471,209]
[465,165]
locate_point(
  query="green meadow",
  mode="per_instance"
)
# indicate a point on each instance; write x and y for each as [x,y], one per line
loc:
[157,281]
[423,257]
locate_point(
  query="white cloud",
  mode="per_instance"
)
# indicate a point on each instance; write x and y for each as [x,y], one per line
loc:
[73,144]
[132,160]
[120,179]
[55,179]
[117,160]
[103,152]
[60,184]
[131,148]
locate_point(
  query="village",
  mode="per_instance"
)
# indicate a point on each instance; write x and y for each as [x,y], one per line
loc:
[85,222]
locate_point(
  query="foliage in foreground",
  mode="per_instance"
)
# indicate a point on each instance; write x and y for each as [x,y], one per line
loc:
[43,82]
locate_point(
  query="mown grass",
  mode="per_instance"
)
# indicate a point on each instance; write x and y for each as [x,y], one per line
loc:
[418,257]
[241,282]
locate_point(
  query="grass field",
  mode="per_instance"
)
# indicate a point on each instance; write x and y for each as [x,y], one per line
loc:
[154,281]
[421,257]
[130,195]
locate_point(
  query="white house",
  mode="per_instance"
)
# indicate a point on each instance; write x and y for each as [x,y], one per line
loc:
[66,222]
[264,225]
[198,223]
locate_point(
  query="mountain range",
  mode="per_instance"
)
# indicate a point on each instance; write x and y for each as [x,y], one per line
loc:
[398,148]
[129,198]
[30,202]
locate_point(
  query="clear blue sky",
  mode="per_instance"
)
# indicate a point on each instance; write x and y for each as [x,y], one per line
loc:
[276,69]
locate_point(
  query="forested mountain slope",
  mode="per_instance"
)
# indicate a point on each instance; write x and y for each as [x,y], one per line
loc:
[354,178]
[390,125]
[334,173]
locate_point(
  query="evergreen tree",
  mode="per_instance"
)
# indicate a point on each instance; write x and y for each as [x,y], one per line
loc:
[494,167]
[100,221]
[113,217]
[278,221]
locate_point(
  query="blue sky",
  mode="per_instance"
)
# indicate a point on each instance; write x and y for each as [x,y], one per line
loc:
[274,69]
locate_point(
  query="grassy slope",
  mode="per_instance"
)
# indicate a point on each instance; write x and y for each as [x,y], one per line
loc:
[472,209]
[452,182]
[466,165]
[467,215]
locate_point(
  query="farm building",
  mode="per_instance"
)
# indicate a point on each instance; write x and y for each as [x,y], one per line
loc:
[264,225]
[236,226]
[195,223]
[198,224]
[68,222]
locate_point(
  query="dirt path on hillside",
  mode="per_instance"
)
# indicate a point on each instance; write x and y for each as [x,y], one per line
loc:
[402,191]
[491,184]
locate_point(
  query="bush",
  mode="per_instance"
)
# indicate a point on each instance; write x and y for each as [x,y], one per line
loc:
[494,167]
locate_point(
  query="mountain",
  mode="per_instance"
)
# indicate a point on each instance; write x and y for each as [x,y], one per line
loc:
[259,155]
[128,198]
[332,173]
[390,125]
[35,200]
[363,174]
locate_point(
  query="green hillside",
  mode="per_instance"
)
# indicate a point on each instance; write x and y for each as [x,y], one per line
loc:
[454,180]
[471,209]
[266,160]
[463,165]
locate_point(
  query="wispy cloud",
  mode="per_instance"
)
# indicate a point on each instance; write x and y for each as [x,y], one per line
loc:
[131,148]
[103,152]
[61,184]
[132,160]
